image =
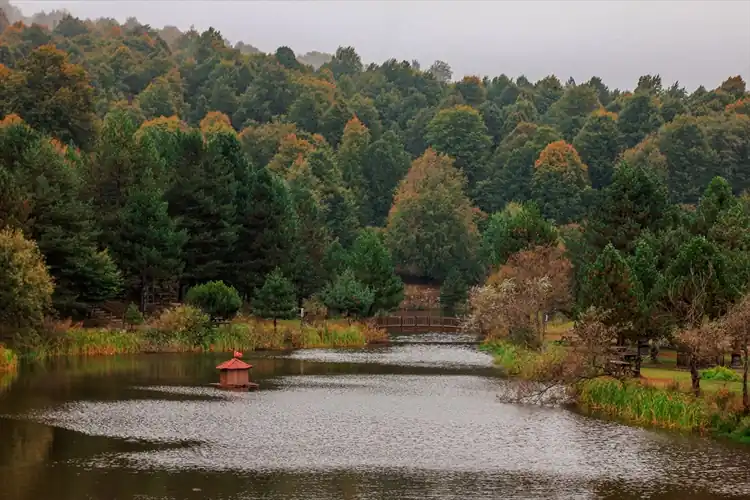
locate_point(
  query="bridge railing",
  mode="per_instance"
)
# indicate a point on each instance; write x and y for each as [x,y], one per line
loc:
[419,323]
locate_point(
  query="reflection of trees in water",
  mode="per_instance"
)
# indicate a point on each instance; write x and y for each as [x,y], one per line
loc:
[64,483]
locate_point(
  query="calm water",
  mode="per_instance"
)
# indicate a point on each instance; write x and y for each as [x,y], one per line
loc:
[417,420]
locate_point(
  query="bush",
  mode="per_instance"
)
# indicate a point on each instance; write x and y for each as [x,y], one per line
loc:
[186,325]
[216,299]
[8,359]
[721,373]
[315,309]
[25,284]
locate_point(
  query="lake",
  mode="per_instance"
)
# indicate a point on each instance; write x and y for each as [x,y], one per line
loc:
[419,419]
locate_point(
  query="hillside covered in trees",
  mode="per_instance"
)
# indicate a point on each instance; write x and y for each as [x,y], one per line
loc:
[132,155]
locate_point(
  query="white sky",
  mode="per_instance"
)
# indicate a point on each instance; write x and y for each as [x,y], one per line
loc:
[695,42]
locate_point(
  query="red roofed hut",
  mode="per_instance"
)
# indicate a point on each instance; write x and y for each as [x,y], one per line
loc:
[235,374]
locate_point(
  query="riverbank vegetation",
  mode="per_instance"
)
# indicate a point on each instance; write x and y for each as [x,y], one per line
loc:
[152,166]
[188,329]
[8,359]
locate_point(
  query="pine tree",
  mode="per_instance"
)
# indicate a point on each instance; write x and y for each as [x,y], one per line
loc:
[202,198]
[276,299]
[44,176]
[266,229]
[148,244]
[348,296]
[371,263]
[454,292]
[612,286]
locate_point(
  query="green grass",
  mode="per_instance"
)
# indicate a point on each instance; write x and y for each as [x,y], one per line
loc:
[645,405]
[517,361]
[329,336]
[662,377]
[183,331]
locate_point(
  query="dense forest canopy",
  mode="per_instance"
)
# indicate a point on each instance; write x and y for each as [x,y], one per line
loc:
[133,155]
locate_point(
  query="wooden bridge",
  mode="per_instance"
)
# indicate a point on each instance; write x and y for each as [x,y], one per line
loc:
[419,324]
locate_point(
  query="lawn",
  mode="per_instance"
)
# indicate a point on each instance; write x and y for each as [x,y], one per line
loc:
[661,377]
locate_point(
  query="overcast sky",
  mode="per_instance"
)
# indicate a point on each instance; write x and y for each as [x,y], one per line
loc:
[695,42]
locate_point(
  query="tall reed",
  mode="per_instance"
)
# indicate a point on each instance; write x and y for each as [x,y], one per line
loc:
[640,404]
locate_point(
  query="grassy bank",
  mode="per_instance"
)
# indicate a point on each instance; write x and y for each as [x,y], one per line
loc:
[716,414]
[517,361]
[187,330]
[639,401]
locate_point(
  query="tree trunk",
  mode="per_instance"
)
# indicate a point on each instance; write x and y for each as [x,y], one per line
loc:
[143,295]
[745,401]
[274,325]
[654,352]
[695,377]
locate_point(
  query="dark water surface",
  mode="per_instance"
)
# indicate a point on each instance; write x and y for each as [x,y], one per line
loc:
[417,420]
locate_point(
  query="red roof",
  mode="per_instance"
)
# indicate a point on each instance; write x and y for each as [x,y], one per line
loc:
[234,364]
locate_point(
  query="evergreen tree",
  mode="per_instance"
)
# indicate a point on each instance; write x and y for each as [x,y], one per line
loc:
[311,238]
[371,263]
[44,178]
[614,288]
[516,228]
[637,200]
[276,299]
[148,246]
[348,296]
[454,292]
[266,229]
[202,198]
[638,118]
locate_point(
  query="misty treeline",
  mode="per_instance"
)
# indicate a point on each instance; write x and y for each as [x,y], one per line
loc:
[131,155]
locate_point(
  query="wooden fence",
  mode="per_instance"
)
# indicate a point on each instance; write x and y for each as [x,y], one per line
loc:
[418,324]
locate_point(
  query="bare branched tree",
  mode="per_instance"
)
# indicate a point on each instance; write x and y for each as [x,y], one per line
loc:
[703,343]
[517,296]
[736,325]
[556,370]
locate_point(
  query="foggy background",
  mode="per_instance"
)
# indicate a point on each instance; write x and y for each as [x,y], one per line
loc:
[695,42]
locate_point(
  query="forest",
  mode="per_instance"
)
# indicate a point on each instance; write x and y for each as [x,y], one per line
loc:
[131,155]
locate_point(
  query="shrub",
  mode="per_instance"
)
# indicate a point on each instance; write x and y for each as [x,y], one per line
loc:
[8,359]
[315,309]
[183,324]
[721,373]
[216,299]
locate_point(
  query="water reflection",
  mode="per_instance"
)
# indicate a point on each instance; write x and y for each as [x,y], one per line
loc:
[405,421]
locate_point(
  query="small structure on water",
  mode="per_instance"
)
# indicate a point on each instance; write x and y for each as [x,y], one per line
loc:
[235,374]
